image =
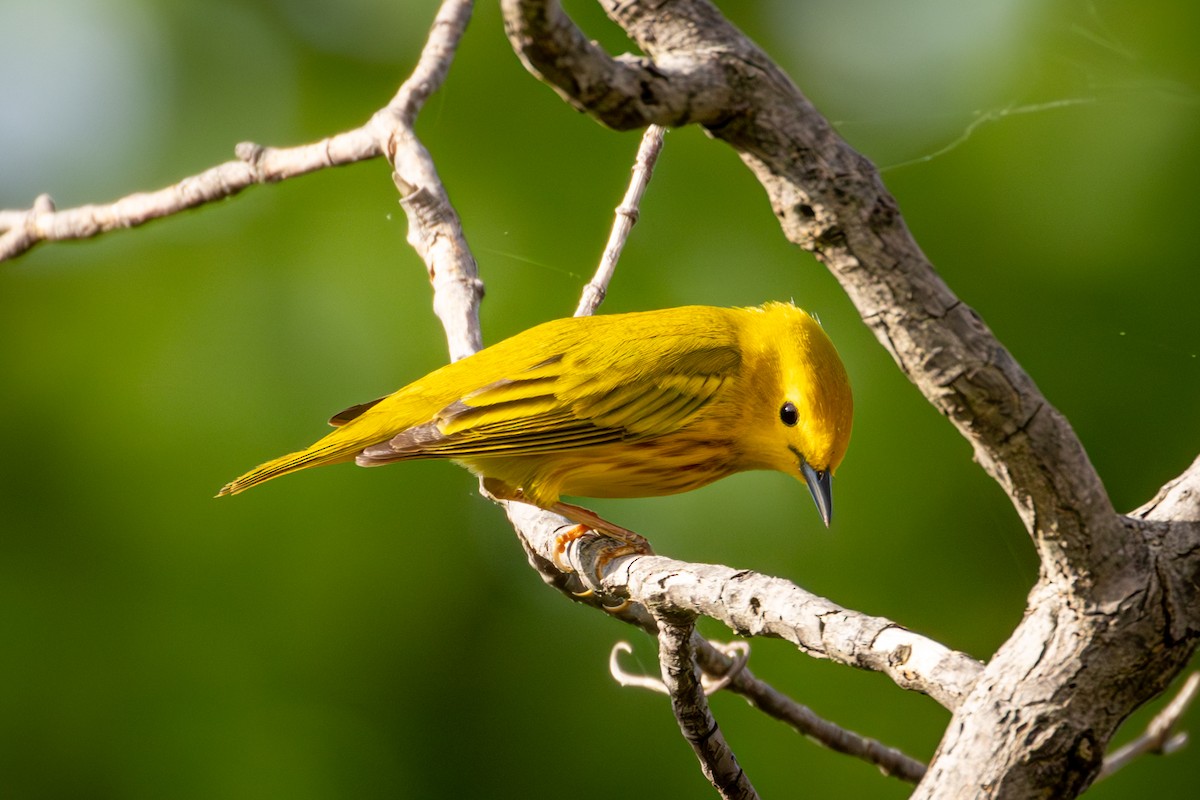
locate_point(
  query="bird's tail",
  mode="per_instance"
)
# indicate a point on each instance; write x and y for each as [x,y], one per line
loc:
[333,449]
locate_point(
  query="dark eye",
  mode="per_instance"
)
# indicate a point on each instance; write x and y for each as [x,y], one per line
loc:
[788,414]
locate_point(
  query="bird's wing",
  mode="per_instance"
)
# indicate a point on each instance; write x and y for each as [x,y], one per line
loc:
[587,395]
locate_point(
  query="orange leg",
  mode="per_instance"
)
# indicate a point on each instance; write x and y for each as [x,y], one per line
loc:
[587,521]
[630,542]
[591,520]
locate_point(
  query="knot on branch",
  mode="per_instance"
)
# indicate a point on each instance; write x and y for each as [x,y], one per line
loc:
[43,204]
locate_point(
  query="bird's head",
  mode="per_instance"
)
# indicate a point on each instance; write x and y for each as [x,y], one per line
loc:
[803,405]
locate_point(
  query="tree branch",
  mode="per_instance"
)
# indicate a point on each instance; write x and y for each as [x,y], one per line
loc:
[625,92]
[22,230]
[1178,500]
[677,660]
[751,604]
[735,676]
[1107,604]
[627,217]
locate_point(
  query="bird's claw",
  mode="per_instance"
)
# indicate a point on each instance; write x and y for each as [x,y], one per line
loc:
[561,542]
[612,549]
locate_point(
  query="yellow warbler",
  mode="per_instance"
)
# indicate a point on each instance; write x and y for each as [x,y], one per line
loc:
[621,405]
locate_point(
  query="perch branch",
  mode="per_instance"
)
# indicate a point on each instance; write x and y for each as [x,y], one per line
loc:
[717,662]
[751,604]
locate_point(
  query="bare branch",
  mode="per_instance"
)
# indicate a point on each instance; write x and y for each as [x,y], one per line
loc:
[22,230]
[717,663]
[256,164]
[433,65]
[627,217]
[774,703]
[751,604]
[677,659]
[1160,736]
[434,228]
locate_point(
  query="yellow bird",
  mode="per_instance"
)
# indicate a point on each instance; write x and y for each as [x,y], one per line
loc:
[621,405]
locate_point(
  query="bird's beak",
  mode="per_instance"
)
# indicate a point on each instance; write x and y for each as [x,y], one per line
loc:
[819,483]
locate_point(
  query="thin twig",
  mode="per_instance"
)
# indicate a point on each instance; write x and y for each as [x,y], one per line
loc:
[21,230]
[627,217]
[1160,736]
[773,703]
[738,654]
[631,679]
[729,662]
[677,659]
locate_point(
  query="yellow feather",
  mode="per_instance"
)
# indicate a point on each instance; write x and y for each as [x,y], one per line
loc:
[621,405]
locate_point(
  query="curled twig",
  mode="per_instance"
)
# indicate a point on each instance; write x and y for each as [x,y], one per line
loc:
[633,679]
[738,652]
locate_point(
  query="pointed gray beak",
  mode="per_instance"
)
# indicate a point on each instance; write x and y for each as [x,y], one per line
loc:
[819,483]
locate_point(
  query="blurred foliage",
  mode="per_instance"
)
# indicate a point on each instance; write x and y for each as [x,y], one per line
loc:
[376,633]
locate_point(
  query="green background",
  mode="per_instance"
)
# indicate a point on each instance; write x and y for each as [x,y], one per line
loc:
[377,633]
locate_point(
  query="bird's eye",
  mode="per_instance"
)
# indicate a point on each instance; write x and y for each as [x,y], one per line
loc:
[788,415]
